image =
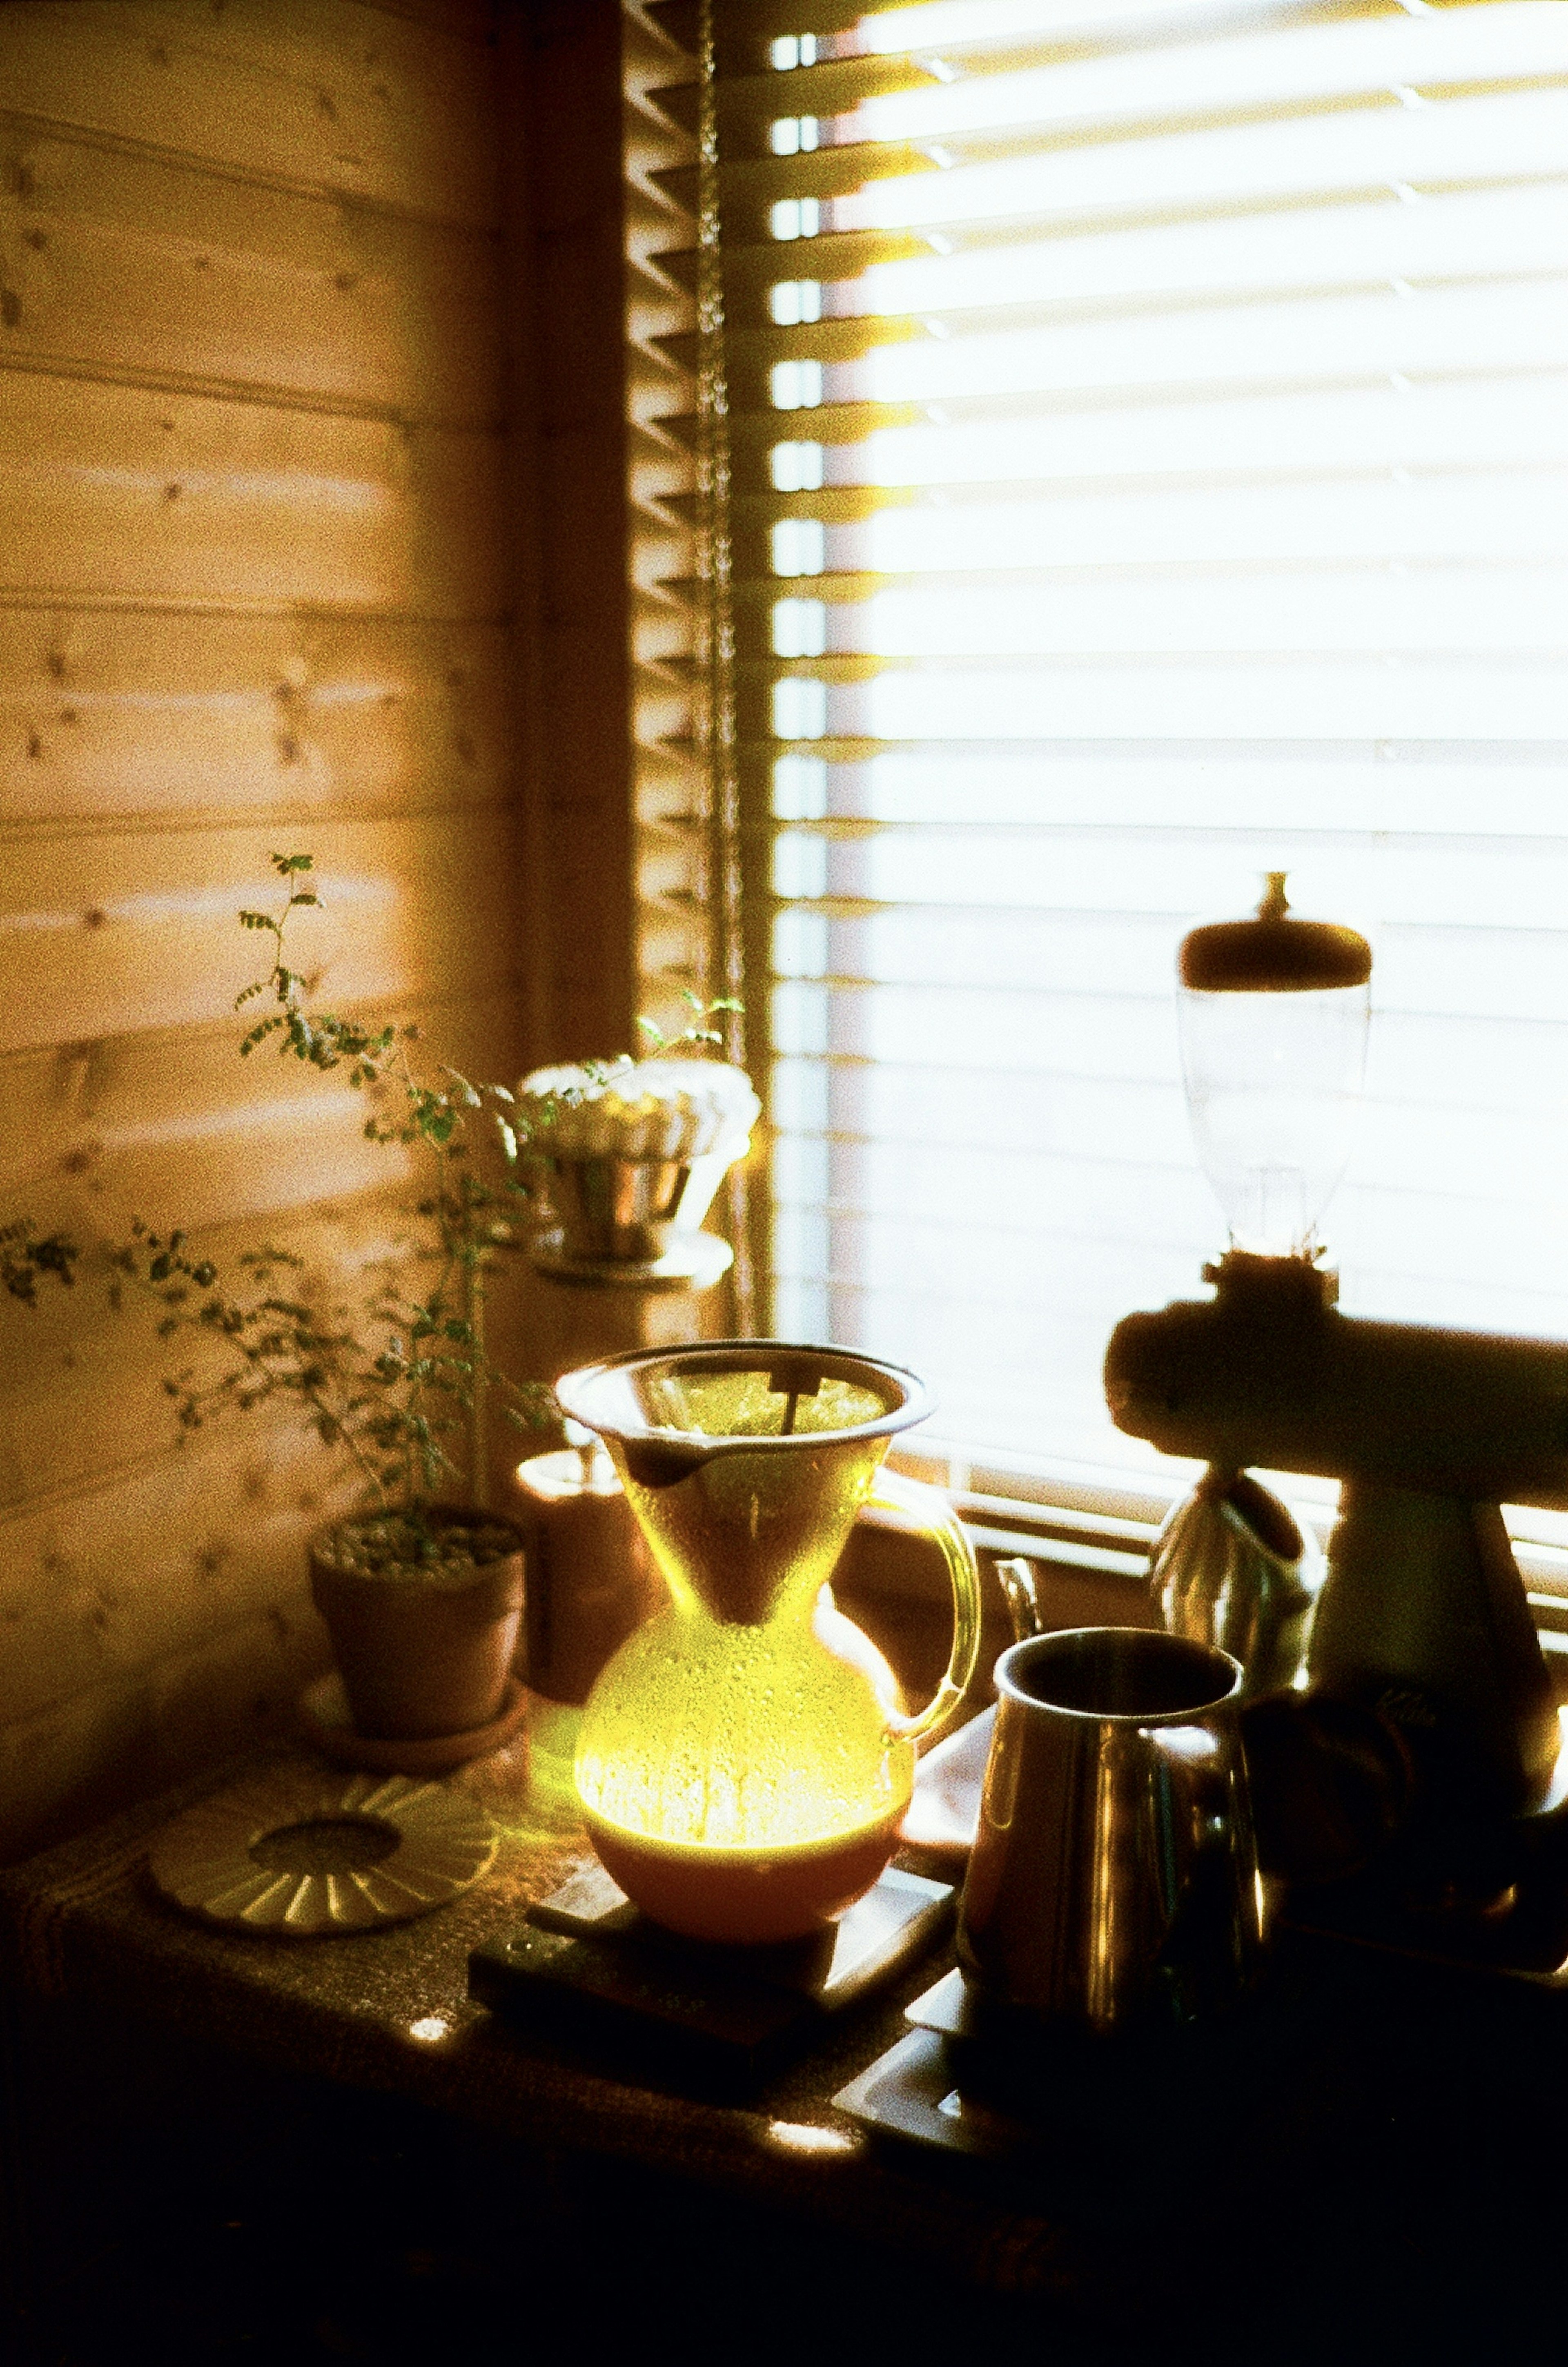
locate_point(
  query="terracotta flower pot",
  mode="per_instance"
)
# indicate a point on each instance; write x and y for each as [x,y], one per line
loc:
[424,1648]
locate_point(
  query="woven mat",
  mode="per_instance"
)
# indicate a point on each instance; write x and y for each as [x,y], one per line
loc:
[83,1922]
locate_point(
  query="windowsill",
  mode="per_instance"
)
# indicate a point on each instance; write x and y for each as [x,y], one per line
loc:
[1110,1508]
[1094,1564]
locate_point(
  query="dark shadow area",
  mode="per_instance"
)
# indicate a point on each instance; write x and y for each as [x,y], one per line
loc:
[1383,2184]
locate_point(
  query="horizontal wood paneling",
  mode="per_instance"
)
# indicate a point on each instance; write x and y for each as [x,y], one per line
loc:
[176,1128]
[81,1385]
[467,20]
[254,592]
[69,1765]
[112,1605]
[153,1623]
[310,92]
[104,714]
[120,492]
[66,1767]
[82,1402]
[180,1156]
[125,262]
[409,50]
[104,935]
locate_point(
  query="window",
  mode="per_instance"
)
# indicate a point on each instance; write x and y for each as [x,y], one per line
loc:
[1142,468]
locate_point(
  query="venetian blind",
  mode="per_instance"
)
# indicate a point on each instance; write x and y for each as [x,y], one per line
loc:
[1146,433]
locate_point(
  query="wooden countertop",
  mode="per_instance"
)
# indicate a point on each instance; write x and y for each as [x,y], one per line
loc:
[1397,2129]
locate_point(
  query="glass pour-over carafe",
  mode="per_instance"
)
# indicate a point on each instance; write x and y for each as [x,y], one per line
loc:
[744,1759]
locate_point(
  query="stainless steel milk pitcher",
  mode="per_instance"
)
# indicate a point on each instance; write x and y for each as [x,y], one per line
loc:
[1115,1876]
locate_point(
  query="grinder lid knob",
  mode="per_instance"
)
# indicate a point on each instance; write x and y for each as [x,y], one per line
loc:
[1274,952]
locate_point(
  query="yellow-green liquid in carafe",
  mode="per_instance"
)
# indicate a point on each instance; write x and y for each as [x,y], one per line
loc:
[735,1762]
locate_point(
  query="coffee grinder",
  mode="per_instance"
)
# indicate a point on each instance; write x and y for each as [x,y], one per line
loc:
[1423,1619]
[1420,1634]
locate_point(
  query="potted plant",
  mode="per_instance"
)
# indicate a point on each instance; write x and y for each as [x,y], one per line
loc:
[421,1589]
[422,1606]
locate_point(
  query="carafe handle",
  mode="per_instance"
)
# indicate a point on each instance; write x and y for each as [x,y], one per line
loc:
[936,1519]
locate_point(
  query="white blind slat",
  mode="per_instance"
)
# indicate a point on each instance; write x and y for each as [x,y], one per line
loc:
[1165,483]
[1334,425]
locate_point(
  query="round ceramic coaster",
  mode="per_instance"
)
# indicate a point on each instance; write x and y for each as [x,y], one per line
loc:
[298,1855]
[324,1714]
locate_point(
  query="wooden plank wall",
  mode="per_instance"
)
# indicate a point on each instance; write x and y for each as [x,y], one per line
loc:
[256,584]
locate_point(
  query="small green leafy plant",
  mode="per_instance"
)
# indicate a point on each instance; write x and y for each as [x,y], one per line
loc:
[399,1378]
[655,1041]
[25,1260]
[394,1376]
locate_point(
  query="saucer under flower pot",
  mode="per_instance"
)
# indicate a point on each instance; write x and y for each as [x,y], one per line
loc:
[325,1719]
[422,1611]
